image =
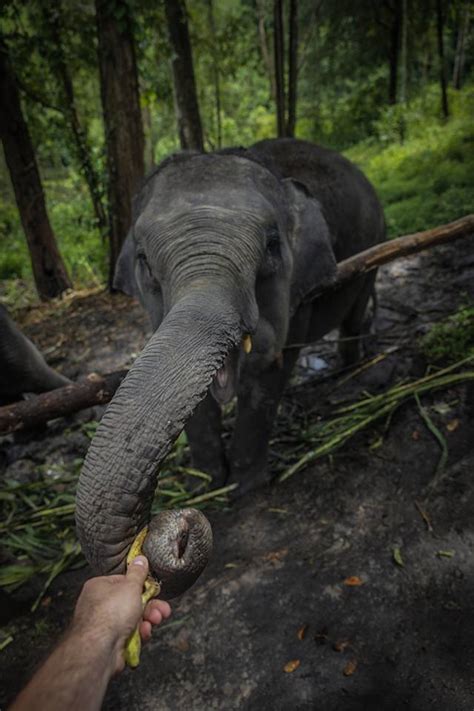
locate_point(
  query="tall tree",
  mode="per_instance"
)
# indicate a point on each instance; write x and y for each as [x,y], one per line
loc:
[215,72]
[122,117]
[442,63]
[396,23]
[54,23]
[292,68]
[49,272]
[462,38]
[186,101]
[267,58]
[279,53]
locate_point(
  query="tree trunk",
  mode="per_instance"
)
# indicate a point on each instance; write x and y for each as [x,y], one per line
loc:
[266,56]
[53,18]
[463,32]
[186,101]
[279,50]
[404,53]
[122,117]
[394,51]
[215,73]
[442,65]
[292,68]
[49,272]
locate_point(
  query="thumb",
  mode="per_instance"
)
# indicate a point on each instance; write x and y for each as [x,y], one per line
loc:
[137,571]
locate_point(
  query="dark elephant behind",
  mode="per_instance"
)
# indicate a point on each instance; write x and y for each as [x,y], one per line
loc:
[224,249]
[22,367]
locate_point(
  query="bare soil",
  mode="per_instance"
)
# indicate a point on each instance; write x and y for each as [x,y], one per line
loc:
[277,589]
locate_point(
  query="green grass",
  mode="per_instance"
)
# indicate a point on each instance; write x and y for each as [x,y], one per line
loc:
[37,529]
[450,339]
[428,179]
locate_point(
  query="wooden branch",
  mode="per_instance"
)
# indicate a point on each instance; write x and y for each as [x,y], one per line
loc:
[385,252]
[94,390]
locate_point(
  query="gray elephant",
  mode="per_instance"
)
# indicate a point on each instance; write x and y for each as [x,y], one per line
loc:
[224,250]
[22,367]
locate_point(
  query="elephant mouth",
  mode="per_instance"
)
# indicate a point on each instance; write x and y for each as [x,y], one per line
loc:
[223,387]
[224,382]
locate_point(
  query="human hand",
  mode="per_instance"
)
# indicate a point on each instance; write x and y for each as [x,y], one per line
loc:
[109,608]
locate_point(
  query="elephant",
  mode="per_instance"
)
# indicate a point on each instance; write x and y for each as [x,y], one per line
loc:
[22,367]
[224,252]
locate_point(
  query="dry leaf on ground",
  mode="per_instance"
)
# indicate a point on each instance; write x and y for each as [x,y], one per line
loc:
[350,667]
[353,581]
[301,634]
[291,666]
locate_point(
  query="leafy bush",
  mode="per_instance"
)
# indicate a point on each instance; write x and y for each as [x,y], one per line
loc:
[452,339]
[426,180]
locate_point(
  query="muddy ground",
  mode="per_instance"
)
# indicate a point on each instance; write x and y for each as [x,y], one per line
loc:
[403,638]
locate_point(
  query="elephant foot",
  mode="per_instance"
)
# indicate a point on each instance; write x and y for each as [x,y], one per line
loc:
[247,480]
[218,471]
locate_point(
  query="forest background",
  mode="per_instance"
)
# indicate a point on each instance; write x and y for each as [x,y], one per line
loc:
[389,83]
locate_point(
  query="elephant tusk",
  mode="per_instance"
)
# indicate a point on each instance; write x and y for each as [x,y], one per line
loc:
[247,343]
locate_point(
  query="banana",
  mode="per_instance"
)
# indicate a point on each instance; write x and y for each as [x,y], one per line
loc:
[152,588]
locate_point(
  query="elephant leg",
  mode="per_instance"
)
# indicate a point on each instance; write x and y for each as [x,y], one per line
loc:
[356,324]
[257,405]
[204,435]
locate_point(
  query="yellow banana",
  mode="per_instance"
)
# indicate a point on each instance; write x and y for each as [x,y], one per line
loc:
[133,644]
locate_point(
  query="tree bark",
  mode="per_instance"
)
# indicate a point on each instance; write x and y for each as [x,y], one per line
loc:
[49,272]
[268,60]
[394,50]
[459,58]
[186,101]
[122,117]
[442,64]
[215,73]
[292,68]
[385,252]
[53,17]
[279,53]
[27,414]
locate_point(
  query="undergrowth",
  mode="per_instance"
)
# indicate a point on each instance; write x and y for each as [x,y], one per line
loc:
[450,339]
[426,180]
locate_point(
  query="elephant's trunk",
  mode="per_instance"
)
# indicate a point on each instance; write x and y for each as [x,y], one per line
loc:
[162,389]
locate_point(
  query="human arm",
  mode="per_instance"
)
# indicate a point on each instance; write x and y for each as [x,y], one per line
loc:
[76,674]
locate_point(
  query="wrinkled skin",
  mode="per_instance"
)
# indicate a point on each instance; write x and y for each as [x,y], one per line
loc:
[22,367]
[223,245]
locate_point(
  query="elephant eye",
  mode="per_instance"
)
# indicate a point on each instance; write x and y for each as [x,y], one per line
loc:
[141,259]
[273,241]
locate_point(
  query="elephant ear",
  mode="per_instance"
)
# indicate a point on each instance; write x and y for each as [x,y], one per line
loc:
[124,276]
[314,262]
[133,277]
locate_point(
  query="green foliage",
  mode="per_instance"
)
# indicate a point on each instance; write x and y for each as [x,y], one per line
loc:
[428,179]
[452,339]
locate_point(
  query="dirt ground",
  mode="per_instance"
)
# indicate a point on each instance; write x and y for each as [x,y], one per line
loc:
[276,589]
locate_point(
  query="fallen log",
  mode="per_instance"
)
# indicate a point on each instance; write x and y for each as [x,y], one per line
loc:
[27,414]
[380,254]
[98,390]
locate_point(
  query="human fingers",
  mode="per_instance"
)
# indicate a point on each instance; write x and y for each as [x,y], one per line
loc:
[137,571]
[145,630]
[156,611]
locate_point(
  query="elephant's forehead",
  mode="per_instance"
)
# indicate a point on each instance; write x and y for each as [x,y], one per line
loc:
[227,181]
